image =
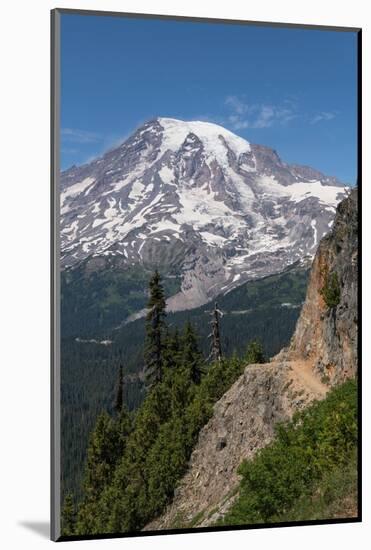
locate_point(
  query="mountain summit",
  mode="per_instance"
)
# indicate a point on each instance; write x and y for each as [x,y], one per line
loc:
[197,201]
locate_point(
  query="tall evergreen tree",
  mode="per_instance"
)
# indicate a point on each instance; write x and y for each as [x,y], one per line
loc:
[172,348]
[155,326]
[192,357]
[68,516]
[119,398]
[105,448]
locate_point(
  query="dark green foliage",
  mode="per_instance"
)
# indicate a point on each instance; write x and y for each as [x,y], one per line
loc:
[173,349]
[106,446]
[334,496]
[331,290]
[96,299]
[157,450]
[305,452]
[119,399]
[68,516]
[89,370]
[88,380]
[255,353]
[191,356]
[253,311]
[155,329]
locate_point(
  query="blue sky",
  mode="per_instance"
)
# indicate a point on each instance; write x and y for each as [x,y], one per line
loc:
[291,89]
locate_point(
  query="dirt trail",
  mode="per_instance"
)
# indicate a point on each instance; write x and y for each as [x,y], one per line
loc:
[304,375]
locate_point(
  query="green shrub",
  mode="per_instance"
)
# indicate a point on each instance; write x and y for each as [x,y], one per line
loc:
[335,496]
[255,353]
[331,290]
[305,451]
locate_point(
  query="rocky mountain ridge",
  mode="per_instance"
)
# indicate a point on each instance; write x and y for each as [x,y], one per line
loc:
[199,201]
[322,353]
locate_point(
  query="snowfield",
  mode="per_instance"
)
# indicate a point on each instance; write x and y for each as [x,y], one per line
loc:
[237,209]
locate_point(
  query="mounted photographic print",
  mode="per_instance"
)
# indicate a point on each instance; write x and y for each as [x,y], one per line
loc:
[205,321]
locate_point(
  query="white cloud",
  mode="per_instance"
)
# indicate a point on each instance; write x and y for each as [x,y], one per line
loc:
[323,116]
[258,115]
[237,104]
[265,115]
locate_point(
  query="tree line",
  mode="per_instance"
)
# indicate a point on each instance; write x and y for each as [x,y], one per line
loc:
[89,371]
[135,460]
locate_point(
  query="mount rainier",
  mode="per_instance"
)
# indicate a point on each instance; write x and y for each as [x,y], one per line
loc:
[199,203]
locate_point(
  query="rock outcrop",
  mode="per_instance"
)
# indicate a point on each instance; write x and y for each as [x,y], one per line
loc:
[243,422]
[327,336]
[323,352]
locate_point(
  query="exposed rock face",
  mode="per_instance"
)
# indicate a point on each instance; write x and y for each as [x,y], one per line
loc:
[197,200]
[324,343]
[328,336]
[243,422]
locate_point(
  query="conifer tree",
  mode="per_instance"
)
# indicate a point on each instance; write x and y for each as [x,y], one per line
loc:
[172,348]
[155,326]
[119,398]
[68,516]
[192,357]
[105,448]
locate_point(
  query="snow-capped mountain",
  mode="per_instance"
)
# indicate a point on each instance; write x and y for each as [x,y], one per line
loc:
[195,197]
